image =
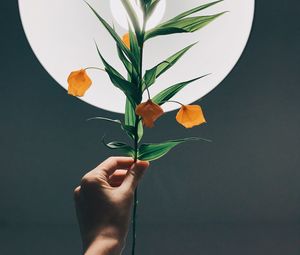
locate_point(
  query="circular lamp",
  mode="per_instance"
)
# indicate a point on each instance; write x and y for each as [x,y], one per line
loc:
[62,34]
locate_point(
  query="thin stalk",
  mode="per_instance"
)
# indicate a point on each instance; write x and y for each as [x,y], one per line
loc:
[148,92]
[135,203]
[173,101]
[134,220]
[136,142]
[94,68]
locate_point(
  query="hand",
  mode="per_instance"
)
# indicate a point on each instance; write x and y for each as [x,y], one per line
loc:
[103,204]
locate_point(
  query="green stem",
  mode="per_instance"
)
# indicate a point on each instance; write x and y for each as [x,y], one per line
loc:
[148,92]
[173,101]
[136,140]
[134,220]
[135,203]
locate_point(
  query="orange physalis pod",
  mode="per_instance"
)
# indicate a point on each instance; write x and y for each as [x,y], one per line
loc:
[149,112]
[190,116]
[79,82]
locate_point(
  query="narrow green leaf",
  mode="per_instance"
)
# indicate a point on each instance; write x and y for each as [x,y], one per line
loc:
[192,11]
[130,119]
[127,87]
[132,15]
[129,114]
[140,131]
[106,119]
[115,36]
[186,25]
[134,20]
[107,65]
[120,147]
[124,60]
[130,131]
[150,152]
[134,47]
[152,74]
[119,81]
[151,9]
[168,93]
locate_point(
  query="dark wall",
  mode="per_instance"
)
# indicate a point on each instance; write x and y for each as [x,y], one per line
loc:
[238,195]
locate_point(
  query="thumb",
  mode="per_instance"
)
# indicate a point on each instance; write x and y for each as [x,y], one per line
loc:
[134,175]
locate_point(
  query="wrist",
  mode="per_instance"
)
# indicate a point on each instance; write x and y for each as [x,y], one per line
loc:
[104,246]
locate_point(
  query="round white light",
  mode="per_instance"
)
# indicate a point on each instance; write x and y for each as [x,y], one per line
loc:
[120,15]
[62,33]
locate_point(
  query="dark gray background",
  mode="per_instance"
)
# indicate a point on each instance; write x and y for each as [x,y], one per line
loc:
[238,195]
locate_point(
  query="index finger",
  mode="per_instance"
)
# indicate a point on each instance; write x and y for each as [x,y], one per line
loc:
[110,165]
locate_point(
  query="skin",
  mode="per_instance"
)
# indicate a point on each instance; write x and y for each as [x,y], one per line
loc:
[103,204]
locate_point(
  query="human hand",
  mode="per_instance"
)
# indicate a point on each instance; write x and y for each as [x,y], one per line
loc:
[103,204]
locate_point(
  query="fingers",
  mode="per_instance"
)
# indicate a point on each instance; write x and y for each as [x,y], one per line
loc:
[110,165]
[100,175]
[114,172]
[134,175]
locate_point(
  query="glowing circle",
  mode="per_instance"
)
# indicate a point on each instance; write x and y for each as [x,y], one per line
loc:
[62,34]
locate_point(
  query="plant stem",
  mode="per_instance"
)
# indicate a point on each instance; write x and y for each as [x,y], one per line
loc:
[136,140]
[95,68]
[173,101]
[134,220]
[135,202]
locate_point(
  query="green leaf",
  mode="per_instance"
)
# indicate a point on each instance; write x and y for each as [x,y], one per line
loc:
[120,147]
[150,152]
[132,15]
[115,36]
[128,129]
[140,131]
[135,22]
[129,114]
[152,74]
[133,95]
[130,119]
[168,93]
[124,60]
[107,65]
[106,119]
[127,87]
[186,25]
[192,11]
[151,9]
[134,47]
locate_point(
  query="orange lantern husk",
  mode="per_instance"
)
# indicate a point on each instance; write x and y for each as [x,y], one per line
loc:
[150,112]
[190,116]
[79,82]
